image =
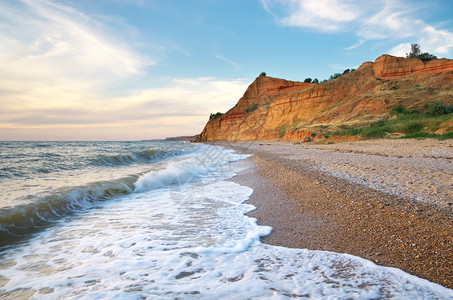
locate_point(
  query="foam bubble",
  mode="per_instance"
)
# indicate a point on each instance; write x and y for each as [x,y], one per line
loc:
[178,242]
[175,173]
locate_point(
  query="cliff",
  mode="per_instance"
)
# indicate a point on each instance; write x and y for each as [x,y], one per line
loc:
[277,108]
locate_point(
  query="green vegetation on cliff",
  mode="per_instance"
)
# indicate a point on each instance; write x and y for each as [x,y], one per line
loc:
[417,53]
[409,123]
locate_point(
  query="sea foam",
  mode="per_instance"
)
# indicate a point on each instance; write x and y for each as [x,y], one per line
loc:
[190,240]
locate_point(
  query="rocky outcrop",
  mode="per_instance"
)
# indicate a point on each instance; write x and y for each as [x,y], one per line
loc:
[300,135]
[387,66]
[277,108]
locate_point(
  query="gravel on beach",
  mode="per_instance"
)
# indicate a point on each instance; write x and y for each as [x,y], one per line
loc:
[389,201]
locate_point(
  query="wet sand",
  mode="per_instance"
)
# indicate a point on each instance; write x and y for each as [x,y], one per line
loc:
[387,201]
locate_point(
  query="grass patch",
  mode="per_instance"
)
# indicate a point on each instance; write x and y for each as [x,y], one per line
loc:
[419,135]
[282,130]
[350,131]
[369,132]
[426,135]
[374,132]
[445,136]
[412,127]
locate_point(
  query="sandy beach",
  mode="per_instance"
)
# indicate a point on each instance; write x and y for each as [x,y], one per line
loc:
[389,201]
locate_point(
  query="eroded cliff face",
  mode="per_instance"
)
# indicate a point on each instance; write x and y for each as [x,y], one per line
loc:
[387,66]
[278,108]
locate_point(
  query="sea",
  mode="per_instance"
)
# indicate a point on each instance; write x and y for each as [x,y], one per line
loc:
[158,220]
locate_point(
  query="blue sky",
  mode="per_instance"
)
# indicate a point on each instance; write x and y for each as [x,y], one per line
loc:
[140,69]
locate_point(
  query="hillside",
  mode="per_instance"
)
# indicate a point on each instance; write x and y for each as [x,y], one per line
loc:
[277,108]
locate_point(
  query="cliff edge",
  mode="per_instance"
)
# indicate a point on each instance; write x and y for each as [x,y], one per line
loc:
[277,108]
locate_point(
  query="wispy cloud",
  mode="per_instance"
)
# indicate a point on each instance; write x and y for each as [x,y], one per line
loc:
[393,20]
[52,55]
[223,58]
[320,15]
[49,37]
[58,66]
[358,44]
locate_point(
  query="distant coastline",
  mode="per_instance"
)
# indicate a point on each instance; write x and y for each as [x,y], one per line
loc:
[185,138]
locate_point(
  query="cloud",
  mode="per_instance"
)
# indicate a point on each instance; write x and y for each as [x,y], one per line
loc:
[435,40]
[179,108]
[57,65]
[358,44]
[321,15]
[223,58]
[45,43]
[67,75]
[392,20]
[400,50]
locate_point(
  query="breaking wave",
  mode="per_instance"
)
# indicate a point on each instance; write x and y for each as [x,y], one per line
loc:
[43,210]
[146,156]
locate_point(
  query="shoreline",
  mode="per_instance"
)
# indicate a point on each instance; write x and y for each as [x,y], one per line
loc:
[310,208]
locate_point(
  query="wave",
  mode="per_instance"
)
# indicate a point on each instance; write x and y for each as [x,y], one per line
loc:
[175,173]
[42,211]
[146,156]
[20,221]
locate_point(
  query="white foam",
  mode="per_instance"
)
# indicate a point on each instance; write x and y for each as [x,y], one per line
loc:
[175,173]
[190,241]
[208,162]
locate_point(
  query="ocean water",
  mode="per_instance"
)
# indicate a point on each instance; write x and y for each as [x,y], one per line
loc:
[158,220]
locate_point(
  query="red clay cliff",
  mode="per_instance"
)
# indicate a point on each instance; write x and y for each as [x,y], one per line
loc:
[278,108]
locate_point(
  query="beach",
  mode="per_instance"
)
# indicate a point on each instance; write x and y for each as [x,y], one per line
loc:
[388,201]
[146,220]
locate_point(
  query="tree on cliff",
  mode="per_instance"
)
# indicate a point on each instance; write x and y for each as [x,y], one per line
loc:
[334,76]
[263,74]
[417,53]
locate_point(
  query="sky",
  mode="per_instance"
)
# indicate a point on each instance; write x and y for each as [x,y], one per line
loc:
[146,69]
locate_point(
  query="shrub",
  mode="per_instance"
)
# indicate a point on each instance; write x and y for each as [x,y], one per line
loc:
[315,80]
[380,123]
[334,76]
[417,53]
[307,80]
[411,112]
[252,108]
[397,110]
[426,56]
[263,74]
[438,109]
[215,116]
